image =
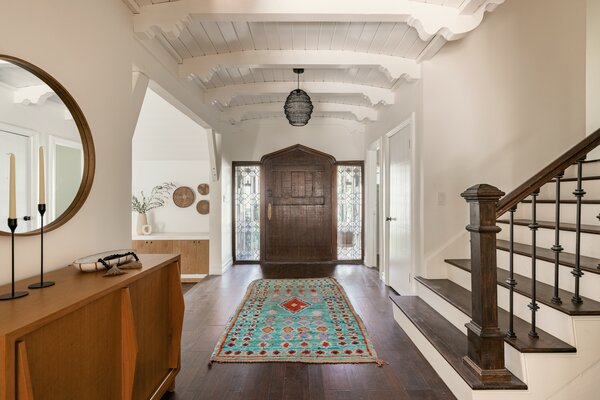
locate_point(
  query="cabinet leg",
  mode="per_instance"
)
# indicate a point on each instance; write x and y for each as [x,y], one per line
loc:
[171,388]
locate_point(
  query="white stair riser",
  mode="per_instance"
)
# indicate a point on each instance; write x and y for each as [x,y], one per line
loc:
[552,321]
[556,375]
[589,283]
[546,212]
[590,243]
[592,189]
[451,313]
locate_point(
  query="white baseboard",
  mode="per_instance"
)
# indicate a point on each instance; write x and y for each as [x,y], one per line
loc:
[190,278]
[226,265]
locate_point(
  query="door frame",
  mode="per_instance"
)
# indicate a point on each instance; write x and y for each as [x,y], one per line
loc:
[385,201]
[372,202]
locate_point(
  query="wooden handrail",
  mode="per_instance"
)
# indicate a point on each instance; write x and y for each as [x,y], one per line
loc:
[574,154]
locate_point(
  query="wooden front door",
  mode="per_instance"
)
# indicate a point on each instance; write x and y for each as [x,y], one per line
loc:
[297,222]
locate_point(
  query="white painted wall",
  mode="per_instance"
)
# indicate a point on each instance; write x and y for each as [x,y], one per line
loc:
[168,146]
[165,133]
[72,41]
[593,66]
[226,215]
[408,101]
[498,106]
[170,218]
[100,79]
[254,139]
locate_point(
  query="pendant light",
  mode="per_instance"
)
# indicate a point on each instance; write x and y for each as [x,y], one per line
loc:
[298,107]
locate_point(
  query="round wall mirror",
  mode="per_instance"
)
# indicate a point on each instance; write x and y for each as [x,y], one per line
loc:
[37,112]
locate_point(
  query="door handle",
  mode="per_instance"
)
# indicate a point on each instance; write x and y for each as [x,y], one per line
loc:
[388,219]
[269,211]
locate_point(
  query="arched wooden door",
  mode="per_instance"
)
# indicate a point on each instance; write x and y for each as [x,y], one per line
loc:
[297,222]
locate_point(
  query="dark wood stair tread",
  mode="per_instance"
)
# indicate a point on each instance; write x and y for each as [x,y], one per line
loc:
[449,341]
[460,298]
[544,291]
[564,226]
[588,264]
[566,201]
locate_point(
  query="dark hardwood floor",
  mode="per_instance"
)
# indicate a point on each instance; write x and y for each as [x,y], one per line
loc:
[185,287]
[211,302]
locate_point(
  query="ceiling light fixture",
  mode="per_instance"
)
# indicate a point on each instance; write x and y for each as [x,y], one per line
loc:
[298,107]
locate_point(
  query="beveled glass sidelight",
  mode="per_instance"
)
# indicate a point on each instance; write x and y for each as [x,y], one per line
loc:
[349,212]
[37,111]
[247,212]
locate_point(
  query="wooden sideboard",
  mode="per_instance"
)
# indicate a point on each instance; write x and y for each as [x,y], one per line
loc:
[194,254]
[93,337]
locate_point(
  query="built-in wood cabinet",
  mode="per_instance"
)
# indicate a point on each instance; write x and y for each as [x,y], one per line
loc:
[194,255]
[94,337]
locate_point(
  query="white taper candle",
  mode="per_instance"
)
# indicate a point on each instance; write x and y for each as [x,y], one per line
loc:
[42,178]
[12,199]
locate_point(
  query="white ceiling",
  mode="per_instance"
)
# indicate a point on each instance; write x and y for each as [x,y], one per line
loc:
[242,53]
[16,77]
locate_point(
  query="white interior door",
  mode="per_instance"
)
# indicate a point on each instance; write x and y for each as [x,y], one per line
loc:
[399,218]
[20,146]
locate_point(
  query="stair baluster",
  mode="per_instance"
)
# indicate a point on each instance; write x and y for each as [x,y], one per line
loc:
[598,218]
[577,273]
[557,248]
[533,227]
[511,278]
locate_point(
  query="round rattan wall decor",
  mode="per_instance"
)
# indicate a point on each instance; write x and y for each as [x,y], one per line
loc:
[203,207]
[183,197]
[203,189]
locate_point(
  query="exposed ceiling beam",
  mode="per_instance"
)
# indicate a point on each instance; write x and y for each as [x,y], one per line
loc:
[224,95]
[360,112]
[133,6]
[428,19]
[470,7]
[395,67]
[33,94]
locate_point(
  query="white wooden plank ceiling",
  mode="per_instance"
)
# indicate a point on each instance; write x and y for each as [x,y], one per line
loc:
[241,53]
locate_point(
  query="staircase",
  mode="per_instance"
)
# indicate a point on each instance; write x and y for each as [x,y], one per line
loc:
[537,289]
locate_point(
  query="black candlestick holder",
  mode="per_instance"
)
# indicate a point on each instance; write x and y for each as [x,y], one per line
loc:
[12,225]
[41,284]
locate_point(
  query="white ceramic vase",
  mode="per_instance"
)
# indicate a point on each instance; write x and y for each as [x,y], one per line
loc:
[142,219]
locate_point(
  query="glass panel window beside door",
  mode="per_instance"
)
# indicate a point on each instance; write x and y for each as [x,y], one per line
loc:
[247,212]
[349,212]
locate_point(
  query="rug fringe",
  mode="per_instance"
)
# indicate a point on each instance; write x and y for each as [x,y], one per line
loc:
[379,362]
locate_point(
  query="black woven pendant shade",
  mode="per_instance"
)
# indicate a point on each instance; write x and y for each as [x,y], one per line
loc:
[298,107]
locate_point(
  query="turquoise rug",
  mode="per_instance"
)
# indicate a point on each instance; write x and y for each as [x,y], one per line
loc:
[295,320]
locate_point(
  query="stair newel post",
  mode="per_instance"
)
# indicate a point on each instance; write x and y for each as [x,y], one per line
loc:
[485,340]
[533,306]
[577,273]
[511,276]
[557,248]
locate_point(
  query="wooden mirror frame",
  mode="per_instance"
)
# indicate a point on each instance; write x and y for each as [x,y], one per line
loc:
[87,143]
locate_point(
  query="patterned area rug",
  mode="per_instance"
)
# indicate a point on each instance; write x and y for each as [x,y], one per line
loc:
[295,320]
